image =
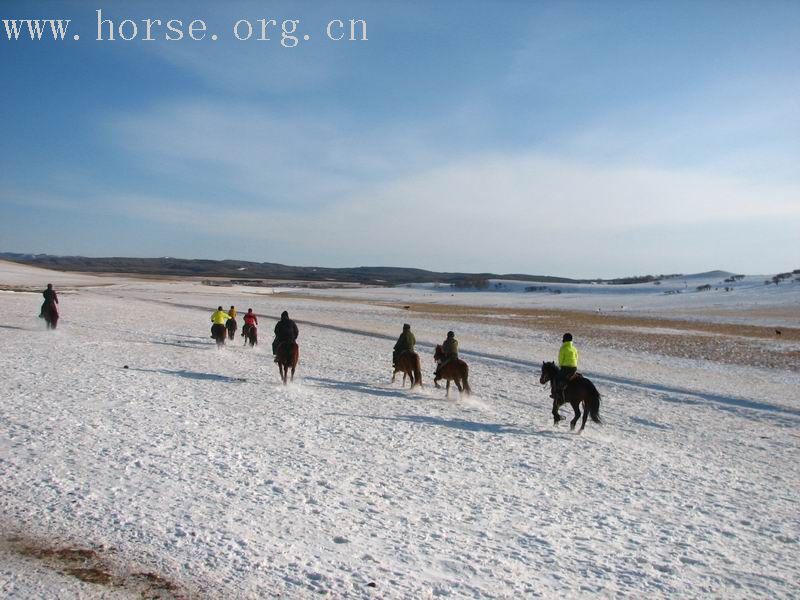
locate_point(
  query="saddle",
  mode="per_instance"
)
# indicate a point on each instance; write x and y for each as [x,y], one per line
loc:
[560,387]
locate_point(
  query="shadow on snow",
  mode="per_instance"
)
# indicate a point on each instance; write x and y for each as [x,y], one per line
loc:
[194,375]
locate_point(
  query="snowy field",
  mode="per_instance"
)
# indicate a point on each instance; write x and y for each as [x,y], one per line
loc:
[194,474]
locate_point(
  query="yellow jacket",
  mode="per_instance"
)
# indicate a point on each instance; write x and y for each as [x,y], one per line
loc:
[232,313]
[219,317]
[568,355]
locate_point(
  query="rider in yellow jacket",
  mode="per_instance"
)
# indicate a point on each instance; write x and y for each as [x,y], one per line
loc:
[219,317]
[567,363]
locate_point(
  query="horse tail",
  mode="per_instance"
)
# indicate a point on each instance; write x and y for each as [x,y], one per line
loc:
[417,371]
[467,389]
[594,401]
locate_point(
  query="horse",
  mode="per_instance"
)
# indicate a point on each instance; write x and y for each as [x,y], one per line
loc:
[456,371]
[250,334]
[231,325]
[288,354]
[408,364]
[49,313]
[218,332]
[579,390]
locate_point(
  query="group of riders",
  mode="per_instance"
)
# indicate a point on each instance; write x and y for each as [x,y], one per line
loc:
[286,331]
[567,357]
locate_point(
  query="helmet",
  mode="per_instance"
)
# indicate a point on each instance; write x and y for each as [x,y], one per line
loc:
[567,337]
[219,308]
[249,310]
[284,315]
[49,286]
[450,334]
[406,326]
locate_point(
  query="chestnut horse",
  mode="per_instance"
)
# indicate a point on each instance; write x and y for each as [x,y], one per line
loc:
[456,371]
[579,390]
[50,314]
[408,364]
[288,354]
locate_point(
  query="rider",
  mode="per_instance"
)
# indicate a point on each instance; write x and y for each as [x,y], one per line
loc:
[285,331]
[405,343]
[220,317]
[50,296]
[231,324]
[567,363]
[250,320]
[450,349]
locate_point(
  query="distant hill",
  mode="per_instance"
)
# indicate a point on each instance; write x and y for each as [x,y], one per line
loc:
[245,270]
[242,270]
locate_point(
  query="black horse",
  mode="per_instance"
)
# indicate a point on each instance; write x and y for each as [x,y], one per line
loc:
[250,334]
[218,332]
[579,390]
[231,325]
[49,313]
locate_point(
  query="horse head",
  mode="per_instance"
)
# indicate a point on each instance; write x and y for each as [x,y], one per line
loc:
[438,354]
[548,372]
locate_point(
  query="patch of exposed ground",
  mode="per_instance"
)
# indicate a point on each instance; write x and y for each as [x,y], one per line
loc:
[95,566]
[747,345]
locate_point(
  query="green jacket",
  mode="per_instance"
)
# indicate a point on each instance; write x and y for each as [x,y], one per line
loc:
[406,342]
[450,348]
[568,355]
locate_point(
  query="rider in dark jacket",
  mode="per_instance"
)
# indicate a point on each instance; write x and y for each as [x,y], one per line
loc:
[50,297]
[285,331]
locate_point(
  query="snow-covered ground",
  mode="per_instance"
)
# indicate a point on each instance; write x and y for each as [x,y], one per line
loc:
[195,466]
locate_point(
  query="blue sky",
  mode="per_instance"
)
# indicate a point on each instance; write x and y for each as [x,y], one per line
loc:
[569,138]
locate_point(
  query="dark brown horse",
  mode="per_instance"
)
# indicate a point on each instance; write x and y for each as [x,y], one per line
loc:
[231,325]
[218,332]
[288,354]
[50,314]
[408,364]
[456,371]
[250,334]
[579,390]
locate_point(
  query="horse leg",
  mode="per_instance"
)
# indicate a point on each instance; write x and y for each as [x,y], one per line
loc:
[556,417]
[585,414]
[447,392]
[575,406]
[293,368]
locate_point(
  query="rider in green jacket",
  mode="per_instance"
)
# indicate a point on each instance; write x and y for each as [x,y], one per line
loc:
[450,349]
[405,343]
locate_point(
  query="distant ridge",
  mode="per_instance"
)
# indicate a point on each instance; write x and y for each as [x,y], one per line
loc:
[240,269]
[247,270]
